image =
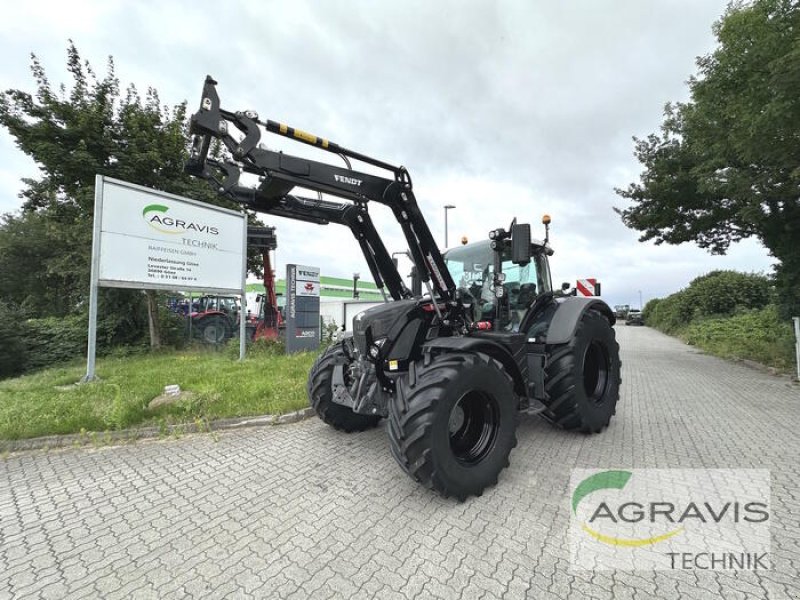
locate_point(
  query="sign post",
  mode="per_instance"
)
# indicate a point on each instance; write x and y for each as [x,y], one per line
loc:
[302,308]
[797,343]
[147,239]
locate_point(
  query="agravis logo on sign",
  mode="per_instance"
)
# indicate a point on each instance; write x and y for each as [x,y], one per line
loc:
[155,215]
[653,519]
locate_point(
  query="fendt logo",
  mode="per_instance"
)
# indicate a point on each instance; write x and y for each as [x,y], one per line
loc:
[155,215]
[348,180]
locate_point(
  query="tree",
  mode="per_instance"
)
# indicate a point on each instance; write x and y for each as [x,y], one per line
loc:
[726,165]
[74,135]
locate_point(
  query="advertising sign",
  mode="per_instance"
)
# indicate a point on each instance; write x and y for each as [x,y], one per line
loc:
[146,239]
[302,301]
[150,239]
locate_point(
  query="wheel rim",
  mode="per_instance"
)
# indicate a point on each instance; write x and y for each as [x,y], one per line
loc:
[595,372]
[474,423]
[213,333]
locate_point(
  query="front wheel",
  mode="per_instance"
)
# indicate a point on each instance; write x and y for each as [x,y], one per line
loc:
[582,378]
[320,392]
[452,423]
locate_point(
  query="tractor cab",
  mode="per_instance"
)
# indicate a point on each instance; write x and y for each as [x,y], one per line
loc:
[472,267]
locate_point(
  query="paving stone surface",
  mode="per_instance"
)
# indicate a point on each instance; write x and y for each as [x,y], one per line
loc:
[302,511]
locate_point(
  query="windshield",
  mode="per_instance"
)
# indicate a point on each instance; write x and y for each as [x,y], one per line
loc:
[472,268]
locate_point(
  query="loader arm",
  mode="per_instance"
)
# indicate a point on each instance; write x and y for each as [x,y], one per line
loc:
[279,173]
[321,212]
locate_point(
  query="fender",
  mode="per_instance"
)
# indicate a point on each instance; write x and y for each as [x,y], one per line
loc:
[487,346]
[568,313]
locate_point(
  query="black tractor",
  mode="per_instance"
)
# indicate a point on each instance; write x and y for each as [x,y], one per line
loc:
[452,368]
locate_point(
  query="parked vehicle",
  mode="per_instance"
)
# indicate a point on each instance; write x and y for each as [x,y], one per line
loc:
[621,311]
[215,319]
[451,368]
[634,318]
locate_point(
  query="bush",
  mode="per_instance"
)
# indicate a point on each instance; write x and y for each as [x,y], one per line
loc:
[12,341]
[726,292]
[256,349]
[649,309]
[760,335]
[715,294]
[672,313]
[55,340]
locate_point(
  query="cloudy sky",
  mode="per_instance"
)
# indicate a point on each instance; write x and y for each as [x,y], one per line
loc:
[504,109]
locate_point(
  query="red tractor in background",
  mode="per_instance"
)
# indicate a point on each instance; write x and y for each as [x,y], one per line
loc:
[268,323]
[214,319]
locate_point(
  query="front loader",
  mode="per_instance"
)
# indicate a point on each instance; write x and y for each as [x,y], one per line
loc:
[450,369]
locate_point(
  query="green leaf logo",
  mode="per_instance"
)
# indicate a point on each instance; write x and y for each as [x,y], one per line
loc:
[606,480]
[611,480]
[154,208]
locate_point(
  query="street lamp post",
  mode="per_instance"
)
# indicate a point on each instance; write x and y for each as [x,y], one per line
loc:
[356,277]
[446,208]
[641,307]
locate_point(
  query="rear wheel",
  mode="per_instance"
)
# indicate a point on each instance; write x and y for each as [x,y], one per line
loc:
[320,393]
[452,423]
[215,330]
[582,378]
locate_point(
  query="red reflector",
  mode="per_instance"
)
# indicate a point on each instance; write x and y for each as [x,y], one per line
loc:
[429,307]
[483,325]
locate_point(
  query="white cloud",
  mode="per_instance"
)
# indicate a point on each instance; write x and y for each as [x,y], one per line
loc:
[504,110]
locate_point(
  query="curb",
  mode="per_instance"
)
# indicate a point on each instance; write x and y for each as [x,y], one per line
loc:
[78,440]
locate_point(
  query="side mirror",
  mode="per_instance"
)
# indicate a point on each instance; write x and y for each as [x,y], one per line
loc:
[521,244]
[565,286]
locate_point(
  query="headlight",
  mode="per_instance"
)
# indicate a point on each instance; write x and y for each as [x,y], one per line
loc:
[375,349]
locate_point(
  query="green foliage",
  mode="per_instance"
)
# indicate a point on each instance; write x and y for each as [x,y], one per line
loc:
[74,134]
[46,402]
[672,313]
[717,293]
[53,340]
[649,309]
[12,341]
[258,349]
[329,332]
[724,166]
[725,292]
[759,335]
[729,314]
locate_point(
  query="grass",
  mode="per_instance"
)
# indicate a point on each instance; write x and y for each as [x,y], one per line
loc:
[758,335]
[48,402]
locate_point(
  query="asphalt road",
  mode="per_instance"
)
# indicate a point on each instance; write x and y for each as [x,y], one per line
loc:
[302,511]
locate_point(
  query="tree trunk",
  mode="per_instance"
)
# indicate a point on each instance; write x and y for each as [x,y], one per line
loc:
[152,319]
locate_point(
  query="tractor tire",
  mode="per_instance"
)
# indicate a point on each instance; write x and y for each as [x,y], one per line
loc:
[453,421]
[214,330]
[320,394]
[582,378]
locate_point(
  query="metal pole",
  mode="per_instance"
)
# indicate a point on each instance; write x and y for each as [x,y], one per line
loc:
[445,227]
[91,350]
[640,300]
[446,208]
[797,343]
[243,308]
